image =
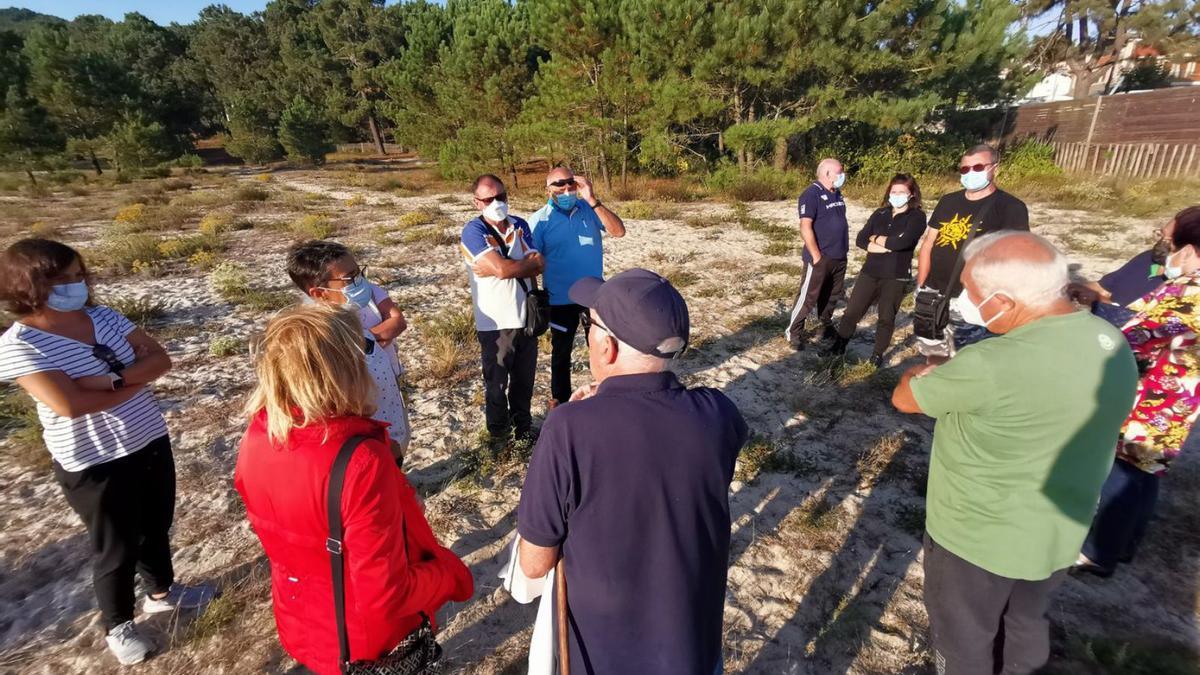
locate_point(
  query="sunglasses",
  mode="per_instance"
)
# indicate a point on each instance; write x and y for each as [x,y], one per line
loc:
[109,357]
[368,345]
[587,321]
[362,272]
[973,167]
[563,182]
[503,196]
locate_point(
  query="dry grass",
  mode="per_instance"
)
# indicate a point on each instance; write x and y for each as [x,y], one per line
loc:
[140,311]
[763,455]
[452,345]
[313,226]
[21,430]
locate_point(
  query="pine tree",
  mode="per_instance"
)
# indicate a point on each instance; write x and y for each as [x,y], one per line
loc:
[27,136]
[303,133]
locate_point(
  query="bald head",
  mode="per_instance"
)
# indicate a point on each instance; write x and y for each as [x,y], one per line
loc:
[828,169]
[559,173]
[1022,265]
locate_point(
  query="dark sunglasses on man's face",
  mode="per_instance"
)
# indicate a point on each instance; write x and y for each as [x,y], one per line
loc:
[972,167]
[587,321]
[563,182]
[109,357]
[503,196]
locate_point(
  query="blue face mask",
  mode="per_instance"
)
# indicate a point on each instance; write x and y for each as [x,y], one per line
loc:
[839,181]
[975,180]
[358,293]
[565,201]
[897,201]
[68,297]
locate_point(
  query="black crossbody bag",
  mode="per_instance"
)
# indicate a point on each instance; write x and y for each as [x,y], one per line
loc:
[417,654]
[537,301]
[931,310]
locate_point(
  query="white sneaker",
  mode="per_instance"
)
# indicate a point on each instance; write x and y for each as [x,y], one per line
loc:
[180,597]
[128,645]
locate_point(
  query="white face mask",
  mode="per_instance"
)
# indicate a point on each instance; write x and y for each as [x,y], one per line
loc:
[496,211]
[970,312]
[1171,271]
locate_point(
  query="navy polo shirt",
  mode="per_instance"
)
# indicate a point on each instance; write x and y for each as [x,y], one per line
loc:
[633,483]
[828,211]
[1134,279]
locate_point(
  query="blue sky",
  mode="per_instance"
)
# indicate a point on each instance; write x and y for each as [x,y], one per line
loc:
[159,11]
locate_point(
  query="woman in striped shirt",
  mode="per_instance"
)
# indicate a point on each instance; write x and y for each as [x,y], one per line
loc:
[87,367]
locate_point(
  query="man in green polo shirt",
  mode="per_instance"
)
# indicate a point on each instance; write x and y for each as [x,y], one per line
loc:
[1026,429]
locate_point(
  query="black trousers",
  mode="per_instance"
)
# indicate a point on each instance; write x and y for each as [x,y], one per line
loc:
[509,364]
[983,623]
[564,322]
[127,506]
[867,290]
[822,285]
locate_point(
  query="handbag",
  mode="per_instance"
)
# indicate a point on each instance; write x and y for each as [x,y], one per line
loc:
[931,308]
[417,654]
[537,301]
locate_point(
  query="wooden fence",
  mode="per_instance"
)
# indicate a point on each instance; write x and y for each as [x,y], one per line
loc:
[1135,160]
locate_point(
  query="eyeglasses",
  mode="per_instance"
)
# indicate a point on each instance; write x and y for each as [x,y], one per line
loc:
[109,357]
[973,167]
[562,182]
[587,321]
[362,272]
[368,346]
[502,196]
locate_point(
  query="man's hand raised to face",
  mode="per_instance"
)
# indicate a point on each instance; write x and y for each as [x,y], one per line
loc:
[585,190]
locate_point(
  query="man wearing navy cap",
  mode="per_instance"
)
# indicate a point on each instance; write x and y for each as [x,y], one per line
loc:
[630,481]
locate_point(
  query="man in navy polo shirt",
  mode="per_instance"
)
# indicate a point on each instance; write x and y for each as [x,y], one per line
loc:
[826,236]
[568,231]
[631,482]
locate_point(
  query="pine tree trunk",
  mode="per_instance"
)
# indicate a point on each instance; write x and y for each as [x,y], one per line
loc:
[376,136]
[751,159]
[95,163]
[32,180]
[720,142]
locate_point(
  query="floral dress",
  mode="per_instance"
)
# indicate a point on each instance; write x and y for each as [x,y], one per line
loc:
[1163,336]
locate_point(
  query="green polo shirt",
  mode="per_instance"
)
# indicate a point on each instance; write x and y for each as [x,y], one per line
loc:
[1026,432]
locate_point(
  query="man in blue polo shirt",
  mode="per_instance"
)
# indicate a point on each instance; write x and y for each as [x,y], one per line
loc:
[568,231]
[826,236]
[630,481]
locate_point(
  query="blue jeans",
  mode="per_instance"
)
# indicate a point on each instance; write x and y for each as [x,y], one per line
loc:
[1126,506]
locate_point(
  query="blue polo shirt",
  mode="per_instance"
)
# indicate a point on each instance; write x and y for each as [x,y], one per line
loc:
[1134,279]
[633,483]
[571,245]
[828,211]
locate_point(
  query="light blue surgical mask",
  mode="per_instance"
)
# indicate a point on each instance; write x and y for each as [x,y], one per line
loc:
[358,293]
[975,180]
[566,201]
[898,201]
[68,297]
[839,181]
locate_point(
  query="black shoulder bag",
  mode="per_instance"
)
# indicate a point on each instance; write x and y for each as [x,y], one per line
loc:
[537,301]
[417,654]
[931,310]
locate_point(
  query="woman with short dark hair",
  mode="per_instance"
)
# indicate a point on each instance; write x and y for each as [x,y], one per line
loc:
[1163,335]
[87,367]
[890,236]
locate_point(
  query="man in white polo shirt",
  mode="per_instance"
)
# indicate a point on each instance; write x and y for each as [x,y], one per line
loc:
[501,262]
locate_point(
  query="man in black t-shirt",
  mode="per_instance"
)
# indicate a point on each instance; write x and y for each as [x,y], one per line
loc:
[981,207]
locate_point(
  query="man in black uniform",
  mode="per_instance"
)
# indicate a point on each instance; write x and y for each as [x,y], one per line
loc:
[826,236]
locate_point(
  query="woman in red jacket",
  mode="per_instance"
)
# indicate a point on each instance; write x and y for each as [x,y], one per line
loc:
[314,392]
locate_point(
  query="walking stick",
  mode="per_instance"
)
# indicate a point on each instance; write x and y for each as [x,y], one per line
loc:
[560,601]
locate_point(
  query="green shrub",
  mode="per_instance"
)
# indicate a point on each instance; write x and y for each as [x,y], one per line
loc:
[21,430]
[1029,159]
[303,133]
[250,193]
[189,160]
[762,184]
[232,283]
[124,251]
[313,226]
[138,310]
[226,345]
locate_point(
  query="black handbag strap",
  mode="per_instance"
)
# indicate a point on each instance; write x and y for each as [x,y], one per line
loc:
[337,479]
[504,253]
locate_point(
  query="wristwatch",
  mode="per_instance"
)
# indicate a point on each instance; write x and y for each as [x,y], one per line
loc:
[118,382]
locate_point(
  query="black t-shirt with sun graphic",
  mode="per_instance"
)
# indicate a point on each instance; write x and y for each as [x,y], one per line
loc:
[954,217]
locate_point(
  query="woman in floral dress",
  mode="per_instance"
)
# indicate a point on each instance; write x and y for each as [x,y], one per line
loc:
[1163,335]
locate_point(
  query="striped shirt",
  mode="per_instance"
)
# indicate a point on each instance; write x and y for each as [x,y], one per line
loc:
[79,442]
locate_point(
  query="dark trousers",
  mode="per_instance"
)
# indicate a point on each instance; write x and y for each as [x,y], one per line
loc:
[867,290]
[982,623]
[1126,506]
[127,506]
[564,322]
[509,364]
[822,285]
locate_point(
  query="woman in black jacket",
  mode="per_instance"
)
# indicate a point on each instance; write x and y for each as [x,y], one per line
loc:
[890,236]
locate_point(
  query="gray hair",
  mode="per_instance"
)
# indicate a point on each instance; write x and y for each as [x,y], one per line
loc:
[1035,274]
[825,164]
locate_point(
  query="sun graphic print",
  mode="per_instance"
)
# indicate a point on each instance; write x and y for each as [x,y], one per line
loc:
[954,231]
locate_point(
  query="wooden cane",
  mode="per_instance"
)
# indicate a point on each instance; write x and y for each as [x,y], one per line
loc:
[560,600]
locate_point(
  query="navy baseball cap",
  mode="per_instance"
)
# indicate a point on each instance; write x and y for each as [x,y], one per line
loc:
[640,308]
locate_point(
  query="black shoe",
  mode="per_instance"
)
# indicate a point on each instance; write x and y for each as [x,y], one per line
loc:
[797,345]
[877,360]
[830,333]
[1090,568]
[838,346]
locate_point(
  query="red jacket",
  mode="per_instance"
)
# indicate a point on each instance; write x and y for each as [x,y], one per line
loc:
[388,579]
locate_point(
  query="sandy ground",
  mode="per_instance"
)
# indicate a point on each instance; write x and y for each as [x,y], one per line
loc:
[825,573]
